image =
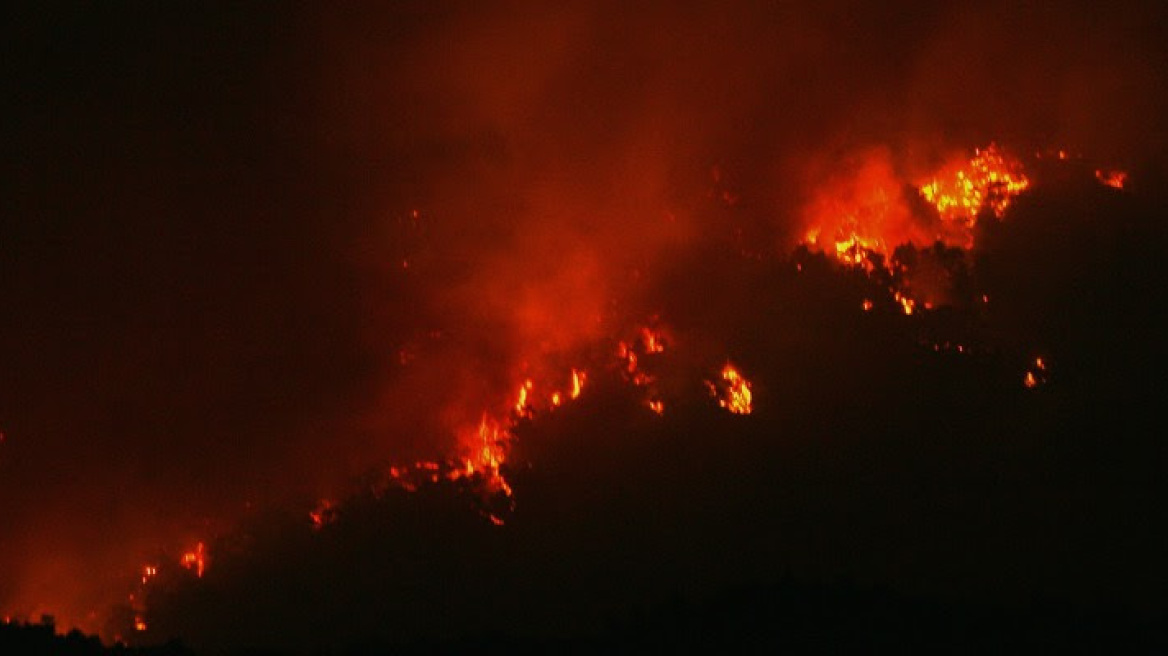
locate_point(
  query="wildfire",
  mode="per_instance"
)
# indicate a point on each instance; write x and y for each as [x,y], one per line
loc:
[653,342]
[578,379]
[522,407]
[1112,178]
[860,216]
[907,304]
[195,560]
[734,393]
[989,179]
[1036,375]
[324,513]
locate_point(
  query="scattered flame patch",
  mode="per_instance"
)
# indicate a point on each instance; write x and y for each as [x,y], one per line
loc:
[733,392]
[988,180]
[324,514]
[195,560]
[1112,178]
[861,218]
[1037,375]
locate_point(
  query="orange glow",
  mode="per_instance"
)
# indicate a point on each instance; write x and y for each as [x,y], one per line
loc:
[653,343]
[148,572]
[195,560]
[859,215]
[990,179]
[657,406]
[522,407]
[1036,375]
[859,209]
[488,453]
[325,512]
[1113,178]
[139,623]
[867,305]
[736,395]
[907,304]
[578,378]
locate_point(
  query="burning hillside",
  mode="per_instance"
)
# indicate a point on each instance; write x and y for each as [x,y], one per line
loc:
[327,325]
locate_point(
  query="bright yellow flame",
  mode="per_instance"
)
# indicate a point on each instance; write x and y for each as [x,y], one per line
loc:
[522,407]
[738,399]
[1036,375]
[578,378]
[989,179]
[907,304]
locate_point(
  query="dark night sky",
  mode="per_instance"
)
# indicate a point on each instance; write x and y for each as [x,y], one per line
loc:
[205,208]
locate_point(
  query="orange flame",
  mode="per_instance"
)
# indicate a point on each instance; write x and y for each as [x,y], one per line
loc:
[734,394]
[1112,178]
[990,179]
[195,560]
[578,378]
[1036,375]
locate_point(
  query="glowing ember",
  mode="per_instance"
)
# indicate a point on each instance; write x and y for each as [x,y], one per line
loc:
[735,393]
[578,378]
[1113,178]
[1036,375]
[195,560]
[324,513]
[656,406]
[959,192]
[522,407]
[653,342]
[139,623]
[907,304]
[867,305]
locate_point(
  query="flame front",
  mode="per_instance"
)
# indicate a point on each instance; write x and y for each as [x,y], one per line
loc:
[988,180]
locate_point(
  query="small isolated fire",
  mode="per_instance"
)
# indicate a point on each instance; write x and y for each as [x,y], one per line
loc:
[1036,375]
[195,560]
[324,514]
[1112,178]
[733,391]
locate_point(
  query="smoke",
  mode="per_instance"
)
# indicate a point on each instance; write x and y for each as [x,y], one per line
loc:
[253,255]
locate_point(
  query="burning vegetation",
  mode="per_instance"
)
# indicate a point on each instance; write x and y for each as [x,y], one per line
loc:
[868,229]
[552,306]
